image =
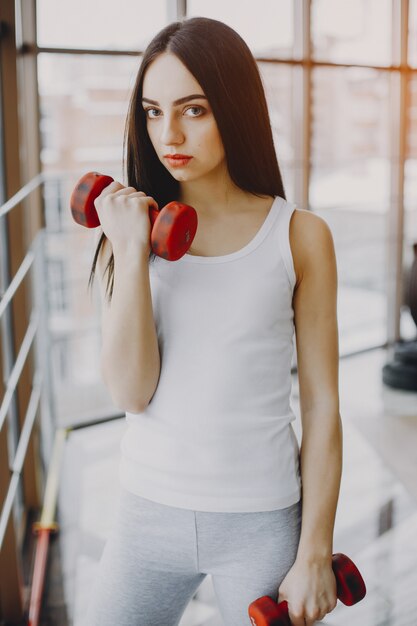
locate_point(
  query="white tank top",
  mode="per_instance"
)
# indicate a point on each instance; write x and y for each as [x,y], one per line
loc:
[217,434]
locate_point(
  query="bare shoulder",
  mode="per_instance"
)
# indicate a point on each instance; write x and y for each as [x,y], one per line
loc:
[311,242]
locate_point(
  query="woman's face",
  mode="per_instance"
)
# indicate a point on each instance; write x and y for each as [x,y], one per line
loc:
[186,128]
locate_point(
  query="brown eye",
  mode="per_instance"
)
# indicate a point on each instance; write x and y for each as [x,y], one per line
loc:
[199,109]
[150,116]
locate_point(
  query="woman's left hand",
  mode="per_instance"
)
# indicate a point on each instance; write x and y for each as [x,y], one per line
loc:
[310,591]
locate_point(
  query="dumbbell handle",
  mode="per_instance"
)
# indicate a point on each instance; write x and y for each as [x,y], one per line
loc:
[172,228]
[350,589]
[84,194]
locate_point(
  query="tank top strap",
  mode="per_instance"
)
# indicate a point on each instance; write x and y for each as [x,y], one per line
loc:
[282,225]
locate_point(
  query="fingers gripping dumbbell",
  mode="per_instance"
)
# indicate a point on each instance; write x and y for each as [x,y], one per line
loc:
[350,590]
[173,227]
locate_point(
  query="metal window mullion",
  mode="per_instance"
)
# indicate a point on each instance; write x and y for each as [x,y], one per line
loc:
[7,334]
[395,218]
[302,102]
[12,365]
[181,9]
[6,321]
[176,10]
[40,298]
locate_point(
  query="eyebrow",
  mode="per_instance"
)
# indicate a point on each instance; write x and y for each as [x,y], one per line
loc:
[194,96]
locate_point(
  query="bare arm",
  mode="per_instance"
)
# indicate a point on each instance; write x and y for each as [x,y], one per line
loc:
[315,315]
[130,356]
[310,585]
[130,360]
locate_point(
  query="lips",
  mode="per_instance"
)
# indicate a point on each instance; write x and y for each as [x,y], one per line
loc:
[177,156]
[178,160]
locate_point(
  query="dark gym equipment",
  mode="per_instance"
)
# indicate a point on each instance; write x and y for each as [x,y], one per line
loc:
[401,373]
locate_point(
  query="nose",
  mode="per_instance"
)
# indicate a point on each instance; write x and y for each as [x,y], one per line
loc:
[171,132]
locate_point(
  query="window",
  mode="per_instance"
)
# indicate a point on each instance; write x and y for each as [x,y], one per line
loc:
[96,24]
[278,84]
[267,26]
[350,189]
[358,31]
[84,102]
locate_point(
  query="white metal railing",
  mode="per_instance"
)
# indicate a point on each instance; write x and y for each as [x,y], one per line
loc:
[31,339]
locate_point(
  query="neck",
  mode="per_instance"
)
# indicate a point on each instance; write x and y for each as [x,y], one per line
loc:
[214,198]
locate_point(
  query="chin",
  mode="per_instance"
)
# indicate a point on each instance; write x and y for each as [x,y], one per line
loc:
[183,176]
[178,176]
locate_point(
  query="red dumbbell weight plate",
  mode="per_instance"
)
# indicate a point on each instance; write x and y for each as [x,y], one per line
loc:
[265,612]
[173,233]
[82,198]
[350,584]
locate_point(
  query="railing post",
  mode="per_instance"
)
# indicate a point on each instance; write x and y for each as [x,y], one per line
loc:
[43,343]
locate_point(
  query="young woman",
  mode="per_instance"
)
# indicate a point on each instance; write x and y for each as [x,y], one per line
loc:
[198,352]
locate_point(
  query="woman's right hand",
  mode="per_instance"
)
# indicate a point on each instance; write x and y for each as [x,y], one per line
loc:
[124,217]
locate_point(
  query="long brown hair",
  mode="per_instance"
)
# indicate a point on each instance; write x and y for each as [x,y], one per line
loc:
[223,65]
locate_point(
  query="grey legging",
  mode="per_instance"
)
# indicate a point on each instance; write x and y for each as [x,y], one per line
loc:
[157,556]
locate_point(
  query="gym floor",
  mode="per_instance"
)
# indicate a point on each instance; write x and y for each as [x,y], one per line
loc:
[376,519]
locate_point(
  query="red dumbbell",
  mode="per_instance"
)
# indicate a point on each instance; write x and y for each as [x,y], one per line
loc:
[173,227]
[350,590]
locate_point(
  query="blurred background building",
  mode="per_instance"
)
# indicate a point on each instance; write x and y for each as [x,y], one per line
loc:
[341,84]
